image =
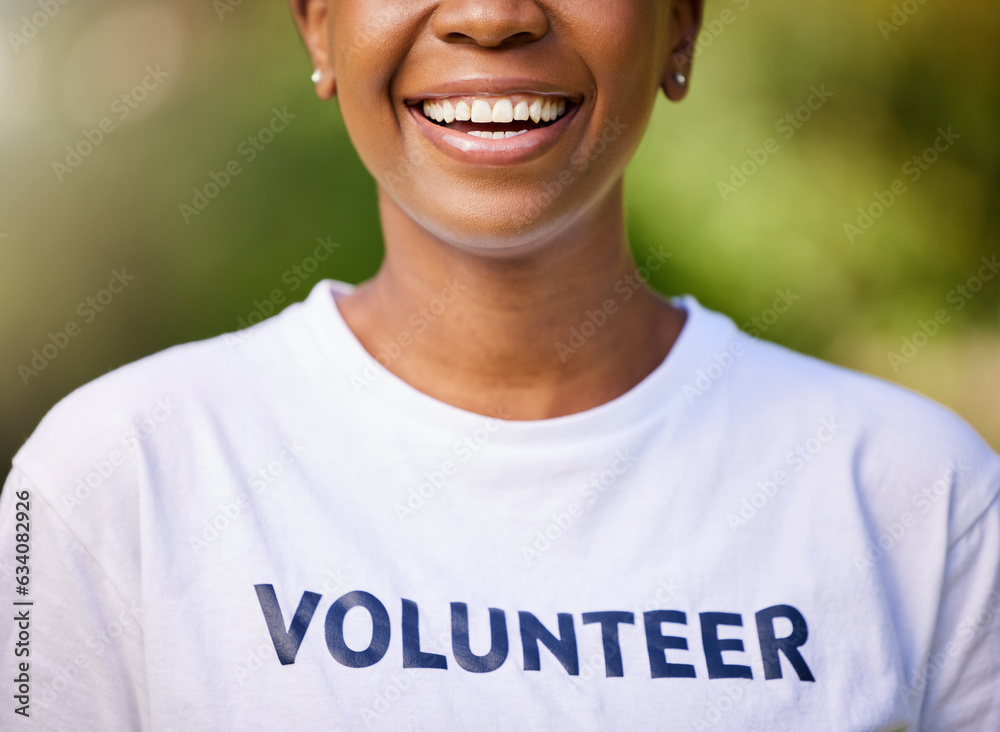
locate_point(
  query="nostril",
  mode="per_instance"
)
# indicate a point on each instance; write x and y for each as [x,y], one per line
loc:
[516,39]
[522,37]
[490,25]
[461,38]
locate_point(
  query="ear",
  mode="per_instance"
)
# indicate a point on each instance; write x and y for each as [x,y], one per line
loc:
[312,18]
[685,23]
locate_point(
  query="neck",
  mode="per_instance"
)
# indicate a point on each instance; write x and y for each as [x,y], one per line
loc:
[496,333]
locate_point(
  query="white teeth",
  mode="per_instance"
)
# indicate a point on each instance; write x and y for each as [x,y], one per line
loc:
[503,111]
[449,112]
[536,111]
[495,135]
[481,111]
[498,111]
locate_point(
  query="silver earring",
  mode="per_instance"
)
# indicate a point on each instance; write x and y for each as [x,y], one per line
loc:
[680,78]
[317,76]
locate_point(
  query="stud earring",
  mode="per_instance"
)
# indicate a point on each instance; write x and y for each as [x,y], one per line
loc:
[680,78]
[317,76]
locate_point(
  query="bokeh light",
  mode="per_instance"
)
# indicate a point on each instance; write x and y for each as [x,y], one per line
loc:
[110,57]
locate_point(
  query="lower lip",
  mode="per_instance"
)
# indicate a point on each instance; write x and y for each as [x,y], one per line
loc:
[465,148]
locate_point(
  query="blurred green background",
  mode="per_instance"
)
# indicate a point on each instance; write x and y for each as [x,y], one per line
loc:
[223,67]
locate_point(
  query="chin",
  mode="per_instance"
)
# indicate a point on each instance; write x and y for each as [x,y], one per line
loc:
[510,231]
[499,222]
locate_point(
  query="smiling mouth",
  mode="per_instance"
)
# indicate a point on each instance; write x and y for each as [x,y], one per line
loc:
[496,118]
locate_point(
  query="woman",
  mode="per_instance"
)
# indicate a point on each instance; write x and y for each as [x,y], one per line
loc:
[503,484]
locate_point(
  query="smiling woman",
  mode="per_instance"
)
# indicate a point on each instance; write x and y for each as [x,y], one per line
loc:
[503,64]
[709,531]
[512,207]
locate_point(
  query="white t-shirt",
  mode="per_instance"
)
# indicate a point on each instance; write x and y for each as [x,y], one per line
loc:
[268,530]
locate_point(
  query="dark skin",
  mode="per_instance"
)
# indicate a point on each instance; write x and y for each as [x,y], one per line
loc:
[532,265]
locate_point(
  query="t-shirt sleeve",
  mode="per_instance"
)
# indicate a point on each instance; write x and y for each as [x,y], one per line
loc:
[82,640]
[962,673]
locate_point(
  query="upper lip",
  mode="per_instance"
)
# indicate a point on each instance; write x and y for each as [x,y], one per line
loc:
[482,86]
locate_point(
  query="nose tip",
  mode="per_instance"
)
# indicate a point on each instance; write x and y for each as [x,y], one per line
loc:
[490,24]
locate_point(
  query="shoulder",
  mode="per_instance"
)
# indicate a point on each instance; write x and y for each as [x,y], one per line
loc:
[900,446]
[895,447]
[162,398]
[778,381]
[785,378]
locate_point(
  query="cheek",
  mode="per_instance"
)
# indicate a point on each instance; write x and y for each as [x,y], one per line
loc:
[626,42]
[625,53]
[362,29]
[370,40]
